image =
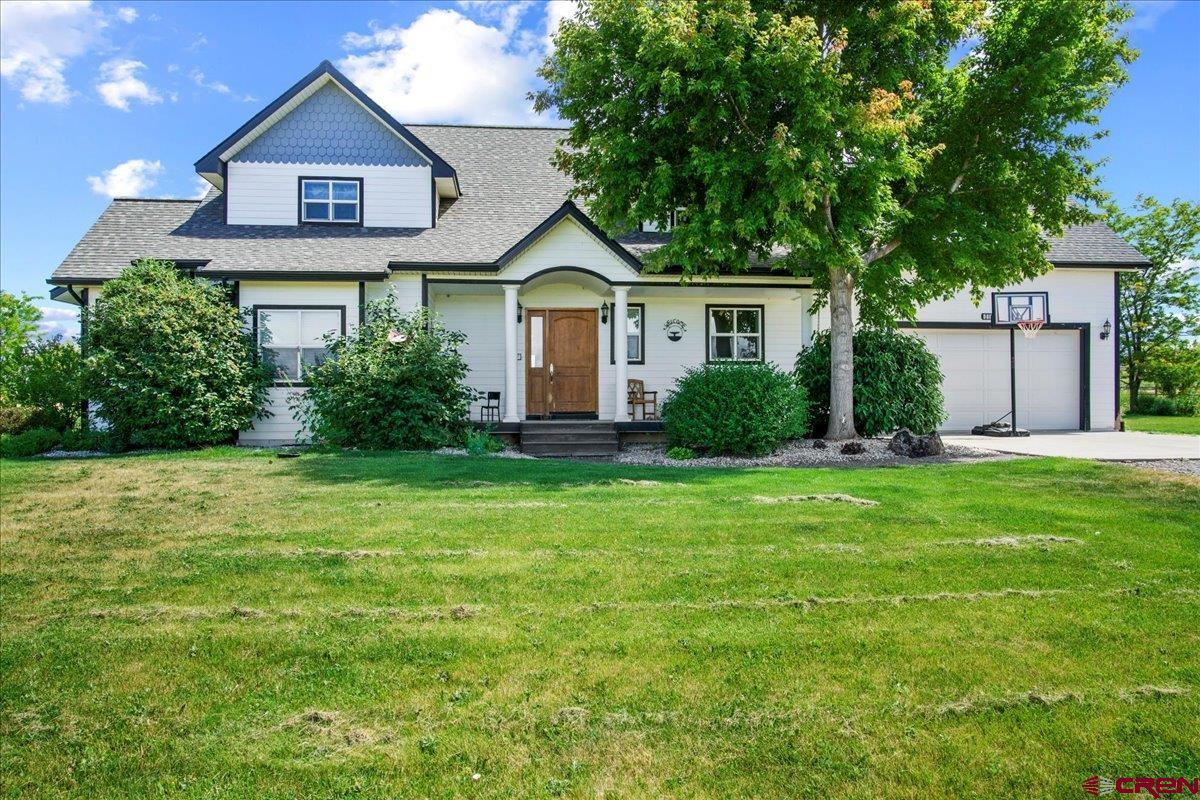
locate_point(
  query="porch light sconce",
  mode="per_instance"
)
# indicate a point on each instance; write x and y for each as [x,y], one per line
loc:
[1105,330]
[604,313]
[520,313]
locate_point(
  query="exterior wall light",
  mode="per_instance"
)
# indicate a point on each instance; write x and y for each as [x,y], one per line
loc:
[520,313]
[604,313]
[1105,330]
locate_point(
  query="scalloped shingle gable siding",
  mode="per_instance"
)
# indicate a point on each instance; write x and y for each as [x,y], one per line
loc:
[330,128]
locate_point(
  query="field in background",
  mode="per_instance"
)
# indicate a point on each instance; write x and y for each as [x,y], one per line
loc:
[229,624]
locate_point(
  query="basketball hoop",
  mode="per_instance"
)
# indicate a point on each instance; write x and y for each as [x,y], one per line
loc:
[1030,327]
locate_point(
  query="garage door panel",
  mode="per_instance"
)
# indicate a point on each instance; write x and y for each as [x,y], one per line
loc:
[976,385]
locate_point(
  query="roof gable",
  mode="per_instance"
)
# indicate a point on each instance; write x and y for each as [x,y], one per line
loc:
[211,164]
[330,127]
[569,210]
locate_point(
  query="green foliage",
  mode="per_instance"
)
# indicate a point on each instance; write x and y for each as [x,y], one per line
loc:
[171,362]
[480,443]
[18,324]
[79,439]
[897,382]
[735,409]
[681,453]
[1174,368]
[14,418]
[1160,306]
[848,138]
[1163,406]
[373,392]
[32,442]
[50,381]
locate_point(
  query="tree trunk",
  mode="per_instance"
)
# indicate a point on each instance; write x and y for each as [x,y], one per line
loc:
[1135,388]
[841,356]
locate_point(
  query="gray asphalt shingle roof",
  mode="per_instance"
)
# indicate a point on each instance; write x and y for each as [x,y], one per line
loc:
[508,188]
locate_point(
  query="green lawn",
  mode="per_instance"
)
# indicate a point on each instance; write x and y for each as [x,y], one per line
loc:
[228,624]
[1140,422]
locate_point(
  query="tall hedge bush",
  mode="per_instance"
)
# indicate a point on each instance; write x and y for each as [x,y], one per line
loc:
[171,362]
[897,382]
[735,409]
[399,382]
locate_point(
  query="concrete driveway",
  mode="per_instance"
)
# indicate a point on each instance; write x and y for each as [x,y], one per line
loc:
[1098,445]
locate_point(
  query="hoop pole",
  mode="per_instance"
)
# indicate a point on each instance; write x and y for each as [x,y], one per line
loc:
[1012,380]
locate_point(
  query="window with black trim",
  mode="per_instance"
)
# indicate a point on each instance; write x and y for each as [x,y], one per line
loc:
[635,335]
[292,338]
[331,201]
[735,333]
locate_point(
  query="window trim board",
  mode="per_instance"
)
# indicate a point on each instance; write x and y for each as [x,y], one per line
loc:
[762,333]
[362,201]
[612,338]
[254,309]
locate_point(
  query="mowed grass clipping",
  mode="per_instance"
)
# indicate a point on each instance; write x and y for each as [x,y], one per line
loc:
[228,624]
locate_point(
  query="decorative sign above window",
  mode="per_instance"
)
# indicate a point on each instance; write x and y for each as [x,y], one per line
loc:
[675,329]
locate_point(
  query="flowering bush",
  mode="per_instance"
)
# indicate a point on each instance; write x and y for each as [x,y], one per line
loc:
[398,382]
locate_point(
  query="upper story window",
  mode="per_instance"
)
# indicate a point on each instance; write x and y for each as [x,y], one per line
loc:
[331,201]
[735,333]
[650,226]
[291,339]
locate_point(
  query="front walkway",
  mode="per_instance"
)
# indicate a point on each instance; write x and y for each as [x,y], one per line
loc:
[1098,445]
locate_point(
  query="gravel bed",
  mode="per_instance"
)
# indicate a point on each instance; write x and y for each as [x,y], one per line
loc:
[75,454]
[507,452]
[801,453]
[1181,466]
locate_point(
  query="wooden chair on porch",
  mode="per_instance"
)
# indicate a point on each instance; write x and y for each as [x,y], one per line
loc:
[489,410]
[640,398]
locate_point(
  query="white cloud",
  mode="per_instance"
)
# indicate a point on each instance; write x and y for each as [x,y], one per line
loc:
[127,14]
[128,179]
[446,67]
[202,81]
[218,87]
[58,321]
[202,187]
[39,39]
[120,84]
[1147,13]
[556,12]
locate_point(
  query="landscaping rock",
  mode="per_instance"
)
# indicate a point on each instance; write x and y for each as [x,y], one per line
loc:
[853,449]
[819,444]
[905,443]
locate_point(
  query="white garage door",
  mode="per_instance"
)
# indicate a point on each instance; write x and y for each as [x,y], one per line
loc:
[976,386]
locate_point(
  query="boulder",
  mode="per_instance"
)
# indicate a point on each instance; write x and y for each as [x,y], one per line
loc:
[853,449]
[905,443]
[819,444]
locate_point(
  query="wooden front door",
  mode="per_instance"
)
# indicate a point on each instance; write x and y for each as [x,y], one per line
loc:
[561,362]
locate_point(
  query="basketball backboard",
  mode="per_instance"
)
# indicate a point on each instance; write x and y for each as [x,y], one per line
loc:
[1011,308]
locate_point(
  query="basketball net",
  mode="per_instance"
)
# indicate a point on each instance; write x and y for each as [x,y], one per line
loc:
[1030,327]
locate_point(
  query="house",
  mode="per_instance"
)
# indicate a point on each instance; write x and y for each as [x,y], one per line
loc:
[323,201]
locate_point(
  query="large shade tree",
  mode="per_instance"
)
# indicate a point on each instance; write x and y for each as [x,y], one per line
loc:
[1160,306]
[896,150]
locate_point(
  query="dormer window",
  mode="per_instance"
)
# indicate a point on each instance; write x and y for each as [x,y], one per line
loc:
[331,201]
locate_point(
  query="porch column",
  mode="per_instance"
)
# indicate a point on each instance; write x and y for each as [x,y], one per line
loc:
[510,354]
[621,353]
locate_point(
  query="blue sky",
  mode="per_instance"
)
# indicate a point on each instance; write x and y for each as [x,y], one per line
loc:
[118,99]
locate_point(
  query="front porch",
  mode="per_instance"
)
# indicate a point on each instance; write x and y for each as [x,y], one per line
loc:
[549,343]
[558,438]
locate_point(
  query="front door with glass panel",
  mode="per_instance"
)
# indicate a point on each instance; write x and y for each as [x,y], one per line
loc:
[561,362]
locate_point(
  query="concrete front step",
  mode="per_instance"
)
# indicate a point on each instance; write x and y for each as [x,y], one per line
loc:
[569,439]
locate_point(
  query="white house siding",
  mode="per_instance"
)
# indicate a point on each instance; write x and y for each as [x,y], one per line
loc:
[404,287]
[481,318]
[281,427]
[268,194]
